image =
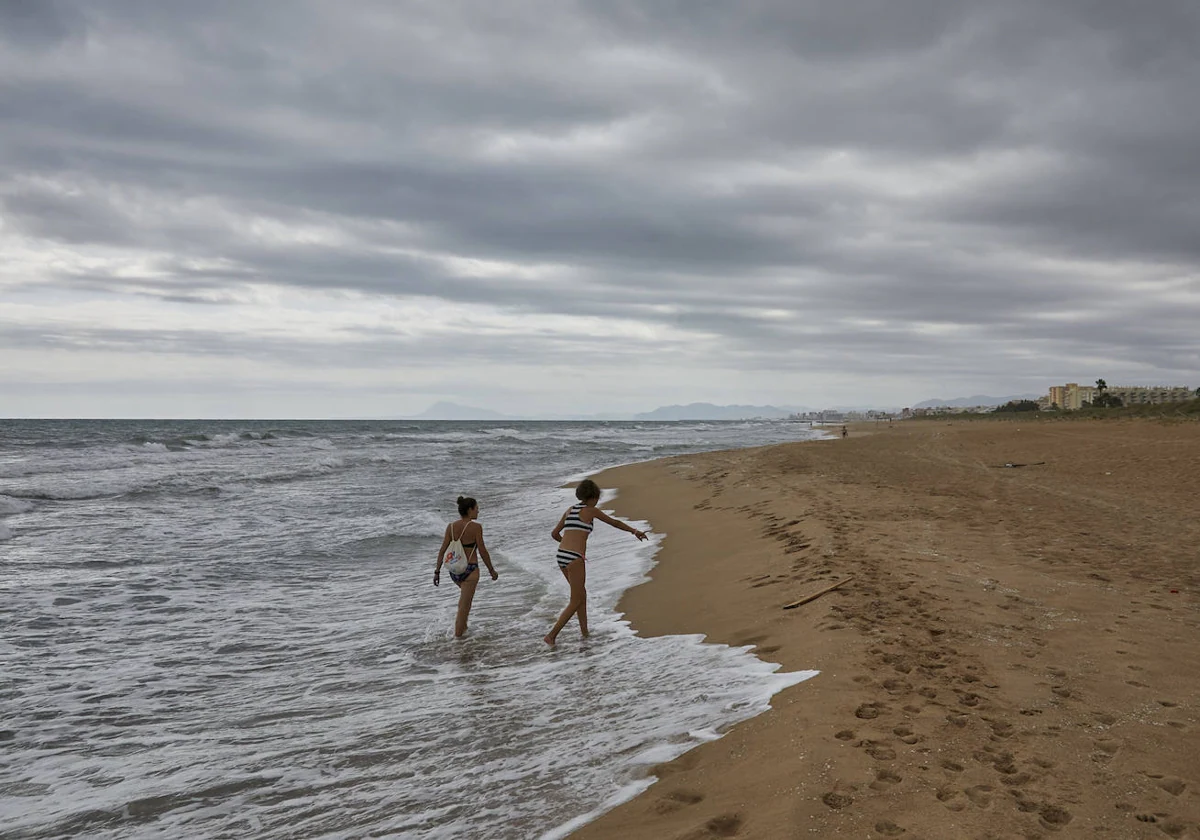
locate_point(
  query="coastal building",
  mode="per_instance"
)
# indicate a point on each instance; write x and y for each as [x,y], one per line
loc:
[941,410]
[1073,396]
[1153,395]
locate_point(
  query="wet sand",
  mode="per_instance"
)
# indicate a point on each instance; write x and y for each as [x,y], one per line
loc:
[1017,653]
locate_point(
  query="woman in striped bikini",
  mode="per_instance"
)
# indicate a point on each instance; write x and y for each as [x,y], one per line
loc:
[572,533]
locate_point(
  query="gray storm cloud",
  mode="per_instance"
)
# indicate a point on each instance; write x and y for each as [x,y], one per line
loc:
[908,197]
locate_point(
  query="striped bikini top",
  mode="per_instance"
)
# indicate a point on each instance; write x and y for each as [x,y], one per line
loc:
[574,522]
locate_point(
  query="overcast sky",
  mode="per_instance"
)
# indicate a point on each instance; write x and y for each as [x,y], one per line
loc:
[356,209]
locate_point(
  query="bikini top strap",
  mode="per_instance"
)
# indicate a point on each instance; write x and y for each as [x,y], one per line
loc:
[470,553]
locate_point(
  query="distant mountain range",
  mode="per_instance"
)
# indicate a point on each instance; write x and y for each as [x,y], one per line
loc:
[978,399]
[694,411]
[454,411]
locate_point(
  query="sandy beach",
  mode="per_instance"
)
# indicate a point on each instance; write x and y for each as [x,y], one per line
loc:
[1016,652]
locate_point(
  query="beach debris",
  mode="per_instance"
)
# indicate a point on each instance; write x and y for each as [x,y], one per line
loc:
[1010,465]
[817,594]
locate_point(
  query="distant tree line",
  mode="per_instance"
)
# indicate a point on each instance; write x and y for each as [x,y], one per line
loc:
[1018,405]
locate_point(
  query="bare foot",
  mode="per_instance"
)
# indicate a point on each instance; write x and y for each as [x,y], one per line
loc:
[548,640]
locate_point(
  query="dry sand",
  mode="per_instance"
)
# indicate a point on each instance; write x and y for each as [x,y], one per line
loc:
[1011,659]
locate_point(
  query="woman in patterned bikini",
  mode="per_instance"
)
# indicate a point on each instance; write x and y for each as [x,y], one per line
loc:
[572,533]
[470,533]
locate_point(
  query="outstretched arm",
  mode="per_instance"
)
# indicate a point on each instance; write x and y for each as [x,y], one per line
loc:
[617,523]
[487,558]
[437,570]
[557,532]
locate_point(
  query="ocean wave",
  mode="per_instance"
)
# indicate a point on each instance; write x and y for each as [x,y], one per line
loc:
[10,506]
[5,532]
[288,433]
[68,495]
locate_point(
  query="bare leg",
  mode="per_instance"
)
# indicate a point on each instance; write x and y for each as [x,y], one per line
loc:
[466,594]
[576,575]
[581,614]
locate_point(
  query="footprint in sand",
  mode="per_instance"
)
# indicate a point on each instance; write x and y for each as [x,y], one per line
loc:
[980,795]
[949,797]
[1054,817]
[885,779]
[677,799]
[837,801]
[726,825]
[880,752]
[889,829]
[1024,803]
[1106,748]
[1170,784]
[1000,729]
[868,711]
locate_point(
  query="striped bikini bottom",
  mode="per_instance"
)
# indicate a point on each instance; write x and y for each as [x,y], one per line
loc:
[566,558]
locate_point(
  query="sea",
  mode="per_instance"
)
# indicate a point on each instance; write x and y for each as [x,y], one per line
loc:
[218,629]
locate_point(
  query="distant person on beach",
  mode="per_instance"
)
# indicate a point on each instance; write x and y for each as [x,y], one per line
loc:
[571,533]
[844,432]
[467,535]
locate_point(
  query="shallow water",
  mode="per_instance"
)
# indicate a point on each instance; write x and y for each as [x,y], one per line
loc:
[211,629]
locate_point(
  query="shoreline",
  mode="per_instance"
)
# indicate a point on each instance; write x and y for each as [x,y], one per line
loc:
[999,662]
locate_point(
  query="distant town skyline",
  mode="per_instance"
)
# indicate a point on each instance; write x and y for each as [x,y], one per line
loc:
[358,210]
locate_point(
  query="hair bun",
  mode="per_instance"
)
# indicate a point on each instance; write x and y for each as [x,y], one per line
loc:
[460,500]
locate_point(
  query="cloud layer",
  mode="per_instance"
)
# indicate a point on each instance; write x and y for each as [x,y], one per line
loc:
[785,202]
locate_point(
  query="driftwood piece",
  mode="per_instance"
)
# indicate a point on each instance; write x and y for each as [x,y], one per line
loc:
[817,594]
